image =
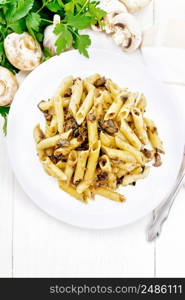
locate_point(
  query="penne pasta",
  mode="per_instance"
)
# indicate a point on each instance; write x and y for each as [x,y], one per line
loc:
[70,165]
[65,150]
[38,137]
[72,191]
[77,91]
[53,170]
[131,178]
[85,107]
[118,154]
[64,86]
[107,193]
[58,105]
[114,108]
[61,165]
[91,167]
[92,127]
[81,166]
[107,140]
[127,147]
[52,141]
[153,135]
[130,135]
[95,136]
[142,103]
[139,125]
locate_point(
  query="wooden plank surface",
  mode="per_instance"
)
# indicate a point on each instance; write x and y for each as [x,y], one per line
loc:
[34,244]
[6,210]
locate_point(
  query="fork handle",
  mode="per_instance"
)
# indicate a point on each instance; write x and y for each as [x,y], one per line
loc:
[162,211]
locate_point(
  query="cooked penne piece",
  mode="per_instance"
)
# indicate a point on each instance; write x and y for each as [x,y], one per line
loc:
[124,166]
[130,135]
[86,106]
[107,140]
[58,104]
[64,86]
[105,166]
[61,165]
[91,167]
[137,170]
[100,101]
[92,127]
[128,101]
[52,141]
[72,191]
[66,101]
[45,105]
[64,150]
[53,169]
[142,103]
[127,147]
[51,127]
[118,154]
[131,178]
[77,91]
[114,108]
[112,87]
[81,166]
[105,163]
[38,137]
[107,193]
[139,125]
[91,79]
[38,134]
[154,138]
[70,166]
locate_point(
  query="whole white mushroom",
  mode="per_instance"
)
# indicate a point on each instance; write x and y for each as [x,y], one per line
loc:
[135,5]
[49,36]
[8,86]
[127,32]
[112,7]
[23,51]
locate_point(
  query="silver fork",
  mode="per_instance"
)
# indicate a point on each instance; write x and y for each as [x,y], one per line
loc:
[161,213]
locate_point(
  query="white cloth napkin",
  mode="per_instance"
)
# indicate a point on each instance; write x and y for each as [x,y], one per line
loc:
[163,48]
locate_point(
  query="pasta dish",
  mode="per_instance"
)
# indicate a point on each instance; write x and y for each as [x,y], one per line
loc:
[96,138]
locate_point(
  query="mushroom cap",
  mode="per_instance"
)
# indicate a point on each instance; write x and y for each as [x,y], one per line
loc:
[127,32]
[135,5]
[23,51]
[8,86]
[112,7]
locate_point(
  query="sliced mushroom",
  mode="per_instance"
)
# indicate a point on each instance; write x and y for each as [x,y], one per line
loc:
[127,32]
[49,36]
[112,7]
[135,5]
[23,51]
[8,86]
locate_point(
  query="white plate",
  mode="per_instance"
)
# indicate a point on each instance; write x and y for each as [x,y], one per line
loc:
[43,190]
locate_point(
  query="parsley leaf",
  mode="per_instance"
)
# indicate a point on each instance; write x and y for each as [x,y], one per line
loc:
[4,112]
[79,22]
[18,26]
[20,9]
[82,42]
[33,21]
[65,38]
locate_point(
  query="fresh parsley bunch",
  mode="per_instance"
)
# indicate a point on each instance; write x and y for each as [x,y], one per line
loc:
[34,15]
